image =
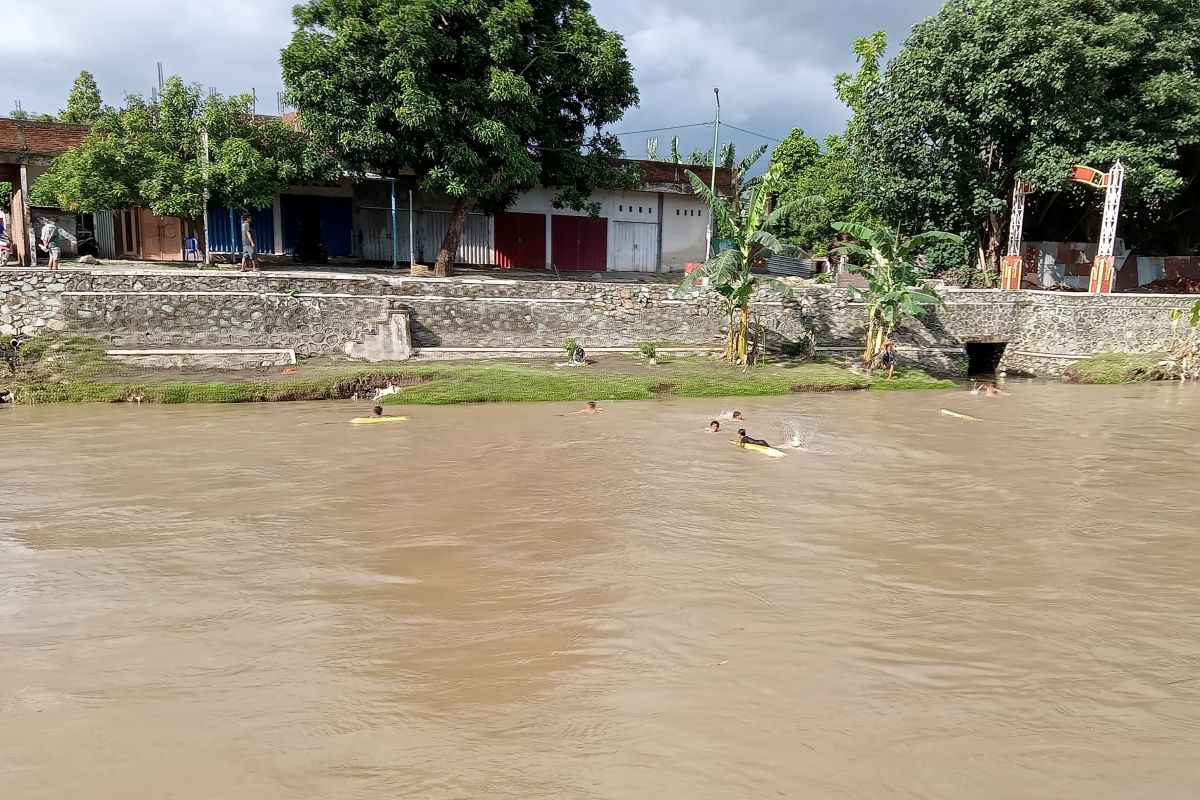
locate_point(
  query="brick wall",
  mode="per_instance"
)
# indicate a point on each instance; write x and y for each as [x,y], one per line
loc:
[39,139]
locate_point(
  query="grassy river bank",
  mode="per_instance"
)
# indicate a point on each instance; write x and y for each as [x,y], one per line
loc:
[77,371]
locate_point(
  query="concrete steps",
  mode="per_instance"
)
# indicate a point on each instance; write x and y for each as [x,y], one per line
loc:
[391,340]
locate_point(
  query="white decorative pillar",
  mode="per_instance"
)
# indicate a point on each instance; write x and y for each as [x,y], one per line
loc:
[1104,267]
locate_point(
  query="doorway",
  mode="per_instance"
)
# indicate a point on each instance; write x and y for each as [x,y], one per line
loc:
[983,358]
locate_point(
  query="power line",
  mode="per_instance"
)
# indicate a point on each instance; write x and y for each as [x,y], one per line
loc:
[700,125]
[752,133]
[668,128]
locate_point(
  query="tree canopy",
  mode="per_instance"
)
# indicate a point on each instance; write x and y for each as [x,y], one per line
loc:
[149,154]
[84,103]
[992,91]
[482,99]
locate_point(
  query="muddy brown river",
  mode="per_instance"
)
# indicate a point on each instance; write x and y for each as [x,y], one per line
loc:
[251,603]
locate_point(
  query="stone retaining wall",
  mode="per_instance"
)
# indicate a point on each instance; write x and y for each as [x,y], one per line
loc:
[325,314]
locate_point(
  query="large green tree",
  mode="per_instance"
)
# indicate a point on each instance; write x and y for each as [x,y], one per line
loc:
[992,91]
[84,103]
[149,154]
[482,99]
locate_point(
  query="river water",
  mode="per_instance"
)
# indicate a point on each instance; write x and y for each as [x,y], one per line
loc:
[264,602]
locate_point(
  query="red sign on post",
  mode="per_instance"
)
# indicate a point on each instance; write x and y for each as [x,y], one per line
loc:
[1092,177]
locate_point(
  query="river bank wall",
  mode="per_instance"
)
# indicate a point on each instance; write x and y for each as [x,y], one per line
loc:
[366,315]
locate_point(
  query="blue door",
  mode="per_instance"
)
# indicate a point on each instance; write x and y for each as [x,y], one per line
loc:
[333,216]
[337,226]
[225,230]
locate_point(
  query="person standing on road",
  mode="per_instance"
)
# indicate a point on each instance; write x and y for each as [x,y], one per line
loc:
[51,242]
[249,246]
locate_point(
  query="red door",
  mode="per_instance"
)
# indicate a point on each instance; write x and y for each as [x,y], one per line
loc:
[579,243]
[520,240]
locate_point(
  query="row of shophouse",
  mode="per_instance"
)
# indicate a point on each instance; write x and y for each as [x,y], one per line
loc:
[662,227]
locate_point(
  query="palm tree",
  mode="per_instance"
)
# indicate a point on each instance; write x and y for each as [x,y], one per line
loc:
[886,261]
[730,272]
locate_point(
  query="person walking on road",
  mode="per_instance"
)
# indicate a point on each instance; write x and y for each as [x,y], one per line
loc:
[249,246]
[51,241]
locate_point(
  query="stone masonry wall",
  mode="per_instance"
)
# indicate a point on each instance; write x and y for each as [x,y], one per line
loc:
[320,314]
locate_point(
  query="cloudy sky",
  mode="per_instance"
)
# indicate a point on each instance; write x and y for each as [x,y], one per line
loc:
[772,59]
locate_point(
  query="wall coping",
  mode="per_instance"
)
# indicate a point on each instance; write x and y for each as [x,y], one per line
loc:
[398,280]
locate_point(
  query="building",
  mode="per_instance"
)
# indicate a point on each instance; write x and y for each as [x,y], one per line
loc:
[26,150]
[658,228]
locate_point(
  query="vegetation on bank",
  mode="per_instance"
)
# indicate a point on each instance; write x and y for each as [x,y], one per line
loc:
[1118,368]
[75,371]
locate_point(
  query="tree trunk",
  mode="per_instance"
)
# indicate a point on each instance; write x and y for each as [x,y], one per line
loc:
[874,342]
[989,249]
[449,248]
[743,334]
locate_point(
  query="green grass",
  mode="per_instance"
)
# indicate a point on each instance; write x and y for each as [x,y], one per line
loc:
[90,378]
[1118,368]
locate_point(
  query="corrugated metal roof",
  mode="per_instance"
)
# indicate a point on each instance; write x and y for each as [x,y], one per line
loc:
[795,267]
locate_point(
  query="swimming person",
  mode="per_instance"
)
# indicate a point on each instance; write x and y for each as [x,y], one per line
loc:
[988,389]
[745,440]
[591,408]
[714,427]
[377,411]
[736,416]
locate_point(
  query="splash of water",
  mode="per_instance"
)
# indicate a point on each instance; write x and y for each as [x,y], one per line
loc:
[799,433]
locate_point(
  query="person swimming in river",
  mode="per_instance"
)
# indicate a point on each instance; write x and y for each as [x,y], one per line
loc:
[591,408]
[988,389]
[377,411]
[735,416]
[714,426]
[745,439]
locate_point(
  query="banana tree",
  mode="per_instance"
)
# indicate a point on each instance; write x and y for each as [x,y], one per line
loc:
[1184,350]
[885,260]
[730,273]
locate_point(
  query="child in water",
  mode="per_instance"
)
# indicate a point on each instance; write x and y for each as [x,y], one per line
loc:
[377,411]
[745,439]
[714,427]
[591,408]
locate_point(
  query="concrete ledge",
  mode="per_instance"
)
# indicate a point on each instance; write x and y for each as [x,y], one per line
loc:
[447,353]
[1058,356]
[220,359]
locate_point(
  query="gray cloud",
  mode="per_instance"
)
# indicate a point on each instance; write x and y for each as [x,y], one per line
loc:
[774,60]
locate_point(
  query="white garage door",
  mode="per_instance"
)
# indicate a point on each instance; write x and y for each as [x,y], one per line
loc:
[634,247]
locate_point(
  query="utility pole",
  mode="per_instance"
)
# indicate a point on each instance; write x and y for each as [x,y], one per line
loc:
[204,166]
[395,229]
[708,248]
